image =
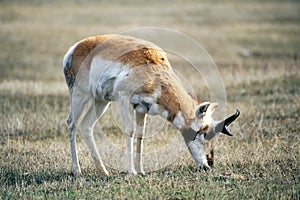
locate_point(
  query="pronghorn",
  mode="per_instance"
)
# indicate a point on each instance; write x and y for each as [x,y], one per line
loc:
[138,76]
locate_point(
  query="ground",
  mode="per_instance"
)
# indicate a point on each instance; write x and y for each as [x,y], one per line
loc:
[255,45]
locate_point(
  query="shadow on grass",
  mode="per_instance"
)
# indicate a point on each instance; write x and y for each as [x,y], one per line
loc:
[12,176]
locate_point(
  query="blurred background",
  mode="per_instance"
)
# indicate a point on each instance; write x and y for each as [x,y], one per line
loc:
[237,34]
[255,45]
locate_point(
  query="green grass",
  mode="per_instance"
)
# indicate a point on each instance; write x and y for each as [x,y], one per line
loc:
[261,161]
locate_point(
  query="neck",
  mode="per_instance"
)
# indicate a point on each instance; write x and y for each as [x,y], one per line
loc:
[180,106]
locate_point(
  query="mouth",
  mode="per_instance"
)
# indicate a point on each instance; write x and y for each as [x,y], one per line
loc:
[221,127]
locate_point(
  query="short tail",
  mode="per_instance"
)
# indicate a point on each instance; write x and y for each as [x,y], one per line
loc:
[68,72]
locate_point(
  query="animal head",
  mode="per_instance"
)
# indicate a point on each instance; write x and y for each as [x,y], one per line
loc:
[203,117]
[203,130]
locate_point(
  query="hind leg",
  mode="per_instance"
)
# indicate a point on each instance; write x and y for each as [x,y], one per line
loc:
[86,126]
[72,134]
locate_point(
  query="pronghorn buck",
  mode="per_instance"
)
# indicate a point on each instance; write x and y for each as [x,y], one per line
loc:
[138,76]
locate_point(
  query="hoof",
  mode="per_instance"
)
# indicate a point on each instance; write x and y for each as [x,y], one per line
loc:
[76,173]
[205,168]
[105,172]
[132,172]
[142,172]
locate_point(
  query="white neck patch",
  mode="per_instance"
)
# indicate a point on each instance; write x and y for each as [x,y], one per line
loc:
[196,125]
[179,121]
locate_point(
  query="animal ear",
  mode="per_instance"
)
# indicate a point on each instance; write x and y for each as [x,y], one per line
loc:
[212,108]
[206,108]
[201,110]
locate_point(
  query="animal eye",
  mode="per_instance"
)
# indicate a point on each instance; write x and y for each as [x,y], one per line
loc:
[203,108]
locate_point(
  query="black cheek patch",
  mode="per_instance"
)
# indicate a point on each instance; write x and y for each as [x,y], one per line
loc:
[210,158]
[210,155]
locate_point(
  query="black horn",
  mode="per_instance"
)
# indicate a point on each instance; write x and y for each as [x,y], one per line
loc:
[233,117]
[228,121]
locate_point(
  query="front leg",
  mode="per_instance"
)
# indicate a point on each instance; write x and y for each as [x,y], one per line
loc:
[129,162]
[127,115]
[140,132]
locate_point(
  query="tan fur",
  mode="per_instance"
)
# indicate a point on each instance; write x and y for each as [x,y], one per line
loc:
[144,80]
[175,99]
[149,87]
[154,69]
[81,51]
[123,49]
[143,56]
[171,103]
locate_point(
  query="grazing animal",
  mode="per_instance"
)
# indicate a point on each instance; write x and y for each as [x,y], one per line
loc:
[138,76]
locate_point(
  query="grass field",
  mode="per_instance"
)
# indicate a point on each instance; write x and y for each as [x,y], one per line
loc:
[256,46]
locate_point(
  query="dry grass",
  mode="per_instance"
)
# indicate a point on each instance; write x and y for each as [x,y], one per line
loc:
[261,161]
